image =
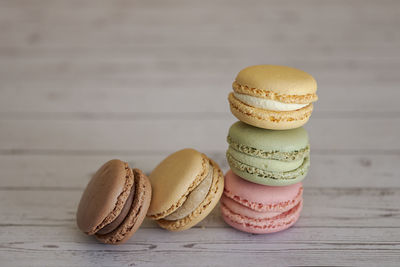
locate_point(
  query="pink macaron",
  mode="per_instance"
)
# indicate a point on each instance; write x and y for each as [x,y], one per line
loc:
[260,209]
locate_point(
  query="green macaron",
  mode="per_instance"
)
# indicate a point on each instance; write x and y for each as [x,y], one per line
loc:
[268,157]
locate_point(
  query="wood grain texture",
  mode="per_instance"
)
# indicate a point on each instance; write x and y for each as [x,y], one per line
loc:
[84,81]
[318,246]
[323,207]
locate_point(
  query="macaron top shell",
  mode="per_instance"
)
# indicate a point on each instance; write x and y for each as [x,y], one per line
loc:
[260,197]
[268,140]
[173,179]
[279,80]
[104,196]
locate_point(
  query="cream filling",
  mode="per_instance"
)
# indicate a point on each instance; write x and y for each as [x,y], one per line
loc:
[268,104]
[194,199]
[266,164]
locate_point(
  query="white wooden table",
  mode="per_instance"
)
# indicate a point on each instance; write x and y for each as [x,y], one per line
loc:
[82,82]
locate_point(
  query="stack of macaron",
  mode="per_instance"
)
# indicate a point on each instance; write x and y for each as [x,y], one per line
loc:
[269,151]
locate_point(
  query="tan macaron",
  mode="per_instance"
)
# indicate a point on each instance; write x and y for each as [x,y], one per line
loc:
[273,97]
[186,187]
[114,203]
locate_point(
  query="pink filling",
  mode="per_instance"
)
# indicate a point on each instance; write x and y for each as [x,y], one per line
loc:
[278,222]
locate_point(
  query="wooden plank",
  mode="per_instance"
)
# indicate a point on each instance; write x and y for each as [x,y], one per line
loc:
[160,18]
[155,247]
[92,94]
[327,134]
[323,207]
[55,99]
[72,171]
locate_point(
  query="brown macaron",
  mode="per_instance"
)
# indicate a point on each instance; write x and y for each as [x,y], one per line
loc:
[114,203]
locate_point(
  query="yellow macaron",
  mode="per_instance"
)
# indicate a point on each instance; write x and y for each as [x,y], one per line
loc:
[273,97]
[186,187]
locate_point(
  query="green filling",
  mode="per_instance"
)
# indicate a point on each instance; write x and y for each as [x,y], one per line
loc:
[277,155]
[302,170]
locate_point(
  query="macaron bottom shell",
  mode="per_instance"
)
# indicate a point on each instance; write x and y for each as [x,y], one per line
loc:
[261,226]
[269,119]
[261,176]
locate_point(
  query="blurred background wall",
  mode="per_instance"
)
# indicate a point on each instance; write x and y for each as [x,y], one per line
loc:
[144,78]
